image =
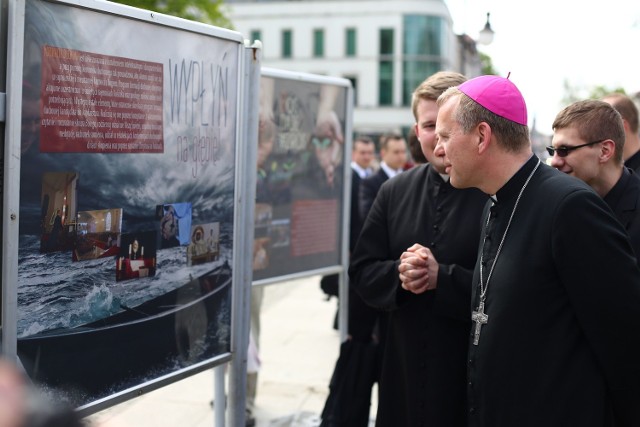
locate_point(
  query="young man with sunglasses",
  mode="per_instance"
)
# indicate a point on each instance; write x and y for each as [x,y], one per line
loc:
[588,143]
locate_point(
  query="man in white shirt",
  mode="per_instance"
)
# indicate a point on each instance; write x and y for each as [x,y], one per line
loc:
[393,152]
[362,156]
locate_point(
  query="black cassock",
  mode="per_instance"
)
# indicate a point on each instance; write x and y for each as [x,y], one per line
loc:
[624,201]
[423,378]
[562,343]
[633,162]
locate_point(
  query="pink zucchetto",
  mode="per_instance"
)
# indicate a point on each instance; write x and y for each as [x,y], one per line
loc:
[498,95]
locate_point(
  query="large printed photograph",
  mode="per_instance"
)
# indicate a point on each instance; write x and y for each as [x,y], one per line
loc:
[300,161]
[127,181]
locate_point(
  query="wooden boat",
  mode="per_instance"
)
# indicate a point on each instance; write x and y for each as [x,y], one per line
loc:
[140,343]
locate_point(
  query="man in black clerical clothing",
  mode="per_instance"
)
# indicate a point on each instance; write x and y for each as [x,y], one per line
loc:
[629,112]
[588,143]
[423,380]
[556,290]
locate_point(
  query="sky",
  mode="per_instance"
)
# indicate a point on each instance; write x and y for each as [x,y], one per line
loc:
[138,182]
[545,43]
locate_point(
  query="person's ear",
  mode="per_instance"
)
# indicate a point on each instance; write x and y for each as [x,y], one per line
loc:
[607,150]
[483,133]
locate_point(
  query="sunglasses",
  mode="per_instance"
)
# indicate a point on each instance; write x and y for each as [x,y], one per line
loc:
[564,151]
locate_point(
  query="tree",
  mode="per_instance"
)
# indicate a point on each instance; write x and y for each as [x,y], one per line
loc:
[575,93]
[206,11]
[487,64]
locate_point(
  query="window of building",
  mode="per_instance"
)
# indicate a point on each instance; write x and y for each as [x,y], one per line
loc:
[385,85]
[350,42]
[424,47]
[318,43]
[385,67]
[256,35]
[413,73]
[287,42]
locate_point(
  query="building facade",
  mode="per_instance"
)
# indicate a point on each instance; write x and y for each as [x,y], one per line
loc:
[386,48]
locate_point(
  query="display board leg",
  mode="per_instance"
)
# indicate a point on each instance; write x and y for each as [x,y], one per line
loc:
[220,397]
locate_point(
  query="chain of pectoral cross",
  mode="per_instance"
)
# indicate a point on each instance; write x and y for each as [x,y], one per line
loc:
[479,316]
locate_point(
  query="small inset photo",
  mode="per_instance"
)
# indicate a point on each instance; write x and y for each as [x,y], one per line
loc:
[263,215]
[280,233]
[261,253]
[97,234]
[205,244]
[174,221]
[137,256]
[58,211]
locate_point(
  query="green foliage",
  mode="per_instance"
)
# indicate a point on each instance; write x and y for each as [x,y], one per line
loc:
[598,92]
[487,64]
[206,11]
[575,93]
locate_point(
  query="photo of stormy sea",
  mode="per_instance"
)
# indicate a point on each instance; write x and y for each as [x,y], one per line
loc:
[81,329]
[127,201]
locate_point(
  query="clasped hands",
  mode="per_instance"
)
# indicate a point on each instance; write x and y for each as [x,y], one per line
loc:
[418,269]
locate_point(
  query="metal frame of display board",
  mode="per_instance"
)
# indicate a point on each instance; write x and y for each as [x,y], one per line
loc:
[343,261]
[243,184]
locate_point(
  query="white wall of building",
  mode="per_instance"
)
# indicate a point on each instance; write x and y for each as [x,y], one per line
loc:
[367,17]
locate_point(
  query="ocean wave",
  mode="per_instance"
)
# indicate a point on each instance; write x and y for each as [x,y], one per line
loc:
[55,293]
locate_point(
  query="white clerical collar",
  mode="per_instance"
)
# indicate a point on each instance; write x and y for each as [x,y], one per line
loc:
[362,172]
[444,177]
[390,172]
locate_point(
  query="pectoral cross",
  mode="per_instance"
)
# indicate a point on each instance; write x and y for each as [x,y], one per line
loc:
[481,319]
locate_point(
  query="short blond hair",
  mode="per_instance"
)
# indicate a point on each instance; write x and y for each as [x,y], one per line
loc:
[433,86]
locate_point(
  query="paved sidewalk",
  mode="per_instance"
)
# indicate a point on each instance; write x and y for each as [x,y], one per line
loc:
[298,350]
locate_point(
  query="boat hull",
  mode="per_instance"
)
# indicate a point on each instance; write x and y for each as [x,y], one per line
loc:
[172,331]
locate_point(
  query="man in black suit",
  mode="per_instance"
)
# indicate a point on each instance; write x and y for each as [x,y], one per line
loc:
[362,318]
[361,159]
[629,112]
[588,143]
[393,153]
